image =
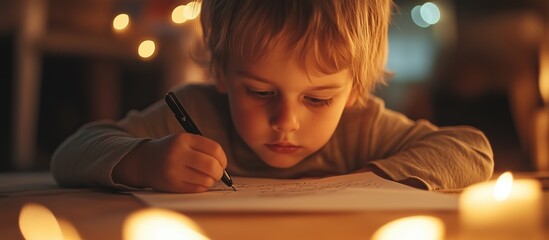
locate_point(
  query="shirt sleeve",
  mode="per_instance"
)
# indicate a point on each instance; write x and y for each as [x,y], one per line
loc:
[440,157]
[88,157]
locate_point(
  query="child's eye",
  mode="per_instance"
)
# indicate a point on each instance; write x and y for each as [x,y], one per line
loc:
[259,94]
[318,102]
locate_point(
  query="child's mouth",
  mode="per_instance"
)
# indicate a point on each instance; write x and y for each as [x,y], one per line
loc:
[283,148]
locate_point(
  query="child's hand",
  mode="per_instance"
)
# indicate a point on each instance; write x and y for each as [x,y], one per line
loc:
[176,163]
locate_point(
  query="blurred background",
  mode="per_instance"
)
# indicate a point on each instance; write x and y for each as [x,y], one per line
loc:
[63,63]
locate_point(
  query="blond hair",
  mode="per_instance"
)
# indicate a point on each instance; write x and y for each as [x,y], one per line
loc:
[325,35]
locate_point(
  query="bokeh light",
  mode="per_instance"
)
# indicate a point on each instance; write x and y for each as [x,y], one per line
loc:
[425,15]
[162,224]
[178,14]
[37,222]
[412,228]
[121,22]
[416,17]
[146,49]
[430,13]
[191,10]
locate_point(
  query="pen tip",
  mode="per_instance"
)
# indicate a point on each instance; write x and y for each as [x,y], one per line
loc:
[233,188]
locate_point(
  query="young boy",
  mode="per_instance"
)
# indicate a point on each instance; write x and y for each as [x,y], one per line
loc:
[291,99]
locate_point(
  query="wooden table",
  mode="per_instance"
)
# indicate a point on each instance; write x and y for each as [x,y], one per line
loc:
[99,214]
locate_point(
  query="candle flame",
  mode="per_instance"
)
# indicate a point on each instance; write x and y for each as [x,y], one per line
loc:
[503,187]
[160,224]
[38,222]
[412,228]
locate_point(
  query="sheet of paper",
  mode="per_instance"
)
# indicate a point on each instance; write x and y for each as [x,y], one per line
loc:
[351,192]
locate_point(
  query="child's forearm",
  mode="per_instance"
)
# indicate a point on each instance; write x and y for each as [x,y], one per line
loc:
[87,157]
[412,182]
[129,171]
[449,158]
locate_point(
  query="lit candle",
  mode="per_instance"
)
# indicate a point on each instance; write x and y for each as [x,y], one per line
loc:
[502,209]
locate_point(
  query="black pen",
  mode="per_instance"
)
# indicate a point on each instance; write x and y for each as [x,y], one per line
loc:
[187,123]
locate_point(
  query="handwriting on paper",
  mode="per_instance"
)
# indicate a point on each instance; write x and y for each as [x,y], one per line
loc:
[277,187]
[360,191]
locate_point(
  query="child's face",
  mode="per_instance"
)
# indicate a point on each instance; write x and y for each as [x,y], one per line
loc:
[280,111]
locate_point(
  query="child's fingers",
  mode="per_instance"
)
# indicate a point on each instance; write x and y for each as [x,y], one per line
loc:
[191,176]
[184,180]
[204,164]
[181,187]
[191,163]
[207,146]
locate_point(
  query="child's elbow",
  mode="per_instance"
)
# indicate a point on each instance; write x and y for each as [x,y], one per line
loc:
[483,155]
[58,166]
[64,166]
[487,162]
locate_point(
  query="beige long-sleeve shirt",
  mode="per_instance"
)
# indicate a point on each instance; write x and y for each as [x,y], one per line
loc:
[440,157]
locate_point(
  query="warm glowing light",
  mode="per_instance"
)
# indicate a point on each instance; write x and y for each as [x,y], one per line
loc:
[191,10]
[146,49]
[429,13]
[38,222]
[504,209]
[503,187]
[121,21]
[544,72]
[412,228]
[68,230]
[160,224]
[178,14]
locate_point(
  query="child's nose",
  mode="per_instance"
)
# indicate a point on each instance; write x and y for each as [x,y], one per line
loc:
[285,118]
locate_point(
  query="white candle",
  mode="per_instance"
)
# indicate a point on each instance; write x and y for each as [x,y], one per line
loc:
[506,209]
